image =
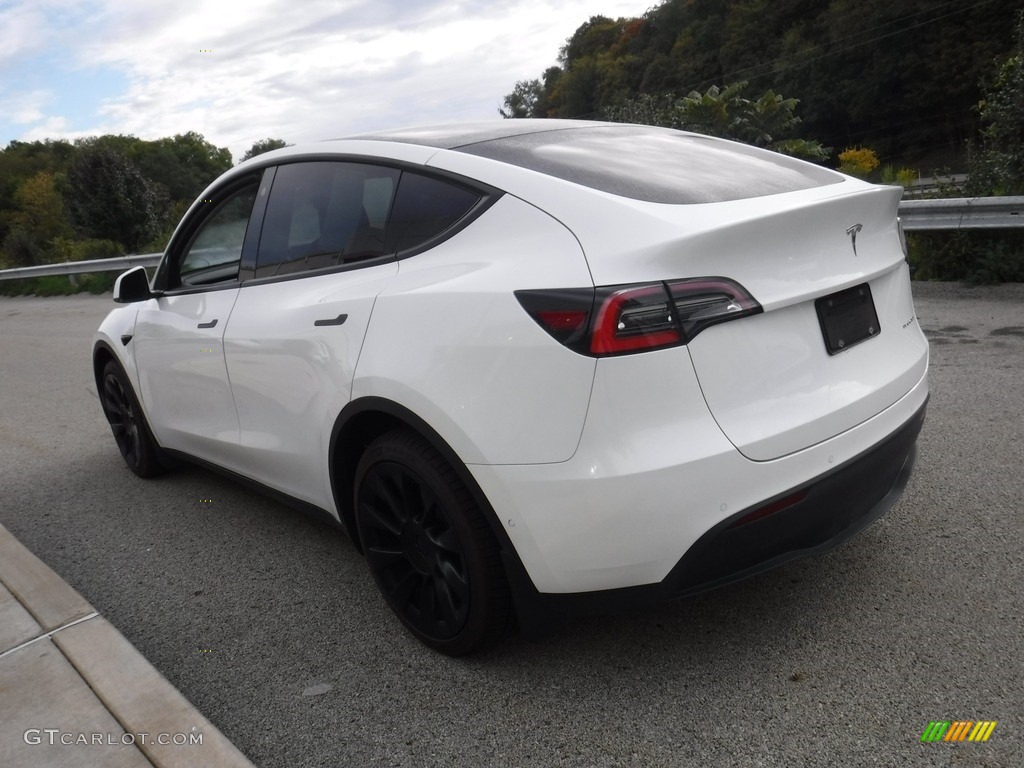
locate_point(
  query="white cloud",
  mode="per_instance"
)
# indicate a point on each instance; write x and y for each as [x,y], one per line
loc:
[22,32]
[50,128]
[25,107]
[317,70]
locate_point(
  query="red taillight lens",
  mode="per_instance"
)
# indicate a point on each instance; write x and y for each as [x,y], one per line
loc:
[624,319]
[564,313]
[634,319]
[562,322]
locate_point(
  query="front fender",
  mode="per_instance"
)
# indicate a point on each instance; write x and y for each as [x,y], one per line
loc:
[113,341]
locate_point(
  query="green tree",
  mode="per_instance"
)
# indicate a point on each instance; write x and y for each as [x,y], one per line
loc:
[98,196]
[997,166]
[19,161]
[575,95]
[600,63]
[769,121]
[522,102]
[263,145]
[592,37]
[899,77]
[108,197]
[183,165]
[37,223]
[40,207]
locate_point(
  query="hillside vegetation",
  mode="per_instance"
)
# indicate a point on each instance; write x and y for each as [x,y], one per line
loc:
[903,78]
[882,89]
[101,197]
[887,91]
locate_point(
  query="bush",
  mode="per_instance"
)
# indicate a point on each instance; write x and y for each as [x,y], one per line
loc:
[974,256]
[98,282]
[858,161]
[59,285]
[996,168]
[86,250]
[903,177]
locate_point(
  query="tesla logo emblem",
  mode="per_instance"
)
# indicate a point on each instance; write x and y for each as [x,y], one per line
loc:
[852,232]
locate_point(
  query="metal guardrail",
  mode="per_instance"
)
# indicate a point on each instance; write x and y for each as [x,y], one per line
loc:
[117,264]
[962,213]
[929,185]
[917,216]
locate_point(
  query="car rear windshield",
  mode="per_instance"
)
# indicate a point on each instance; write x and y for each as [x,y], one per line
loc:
[658,165]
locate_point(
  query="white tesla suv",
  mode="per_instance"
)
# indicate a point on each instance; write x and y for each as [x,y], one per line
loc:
[533,366]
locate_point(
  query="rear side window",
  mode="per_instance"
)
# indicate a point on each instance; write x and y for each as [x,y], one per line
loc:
[424,208]
[325,214]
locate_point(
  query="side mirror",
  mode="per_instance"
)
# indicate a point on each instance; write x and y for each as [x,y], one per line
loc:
[132,285]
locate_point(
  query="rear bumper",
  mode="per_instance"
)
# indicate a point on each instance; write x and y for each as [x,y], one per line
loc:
[826,512]
[811,518]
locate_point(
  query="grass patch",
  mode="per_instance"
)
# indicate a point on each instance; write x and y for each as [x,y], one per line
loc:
[60,285]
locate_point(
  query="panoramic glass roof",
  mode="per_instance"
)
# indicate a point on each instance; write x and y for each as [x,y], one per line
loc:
[641,162]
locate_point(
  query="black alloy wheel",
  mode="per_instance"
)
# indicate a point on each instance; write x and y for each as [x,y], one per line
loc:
[429,547]
[124,415]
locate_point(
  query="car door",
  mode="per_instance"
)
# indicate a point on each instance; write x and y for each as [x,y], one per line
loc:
[297,325]
[178,338]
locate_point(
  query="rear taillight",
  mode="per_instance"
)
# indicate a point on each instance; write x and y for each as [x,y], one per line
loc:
[633,319]
[706,301]
[623,319]
[564,313]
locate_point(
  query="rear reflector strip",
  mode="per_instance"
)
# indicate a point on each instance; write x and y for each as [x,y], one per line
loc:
[770,509]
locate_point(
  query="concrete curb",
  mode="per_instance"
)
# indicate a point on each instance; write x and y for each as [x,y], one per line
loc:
[74,691]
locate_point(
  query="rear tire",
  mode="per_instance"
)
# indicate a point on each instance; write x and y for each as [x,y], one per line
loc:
[127,422]
[429,547]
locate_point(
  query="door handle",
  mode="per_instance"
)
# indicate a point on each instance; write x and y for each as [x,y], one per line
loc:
[331,321]
[211,324]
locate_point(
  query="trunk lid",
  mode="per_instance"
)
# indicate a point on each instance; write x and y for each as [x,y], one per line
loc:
[770,380]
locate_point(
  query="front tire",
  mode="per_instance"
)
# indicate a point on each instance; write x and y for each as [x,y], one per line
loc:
[124,414]
[429,546]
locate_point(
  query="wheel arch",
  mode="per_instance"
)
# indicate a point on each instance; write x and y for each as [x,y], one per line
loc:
[102,354]
[363,420]
[358,424]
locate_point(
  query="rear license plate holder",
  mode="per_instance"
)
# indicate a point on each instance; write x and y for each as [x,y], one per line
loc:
[847,318]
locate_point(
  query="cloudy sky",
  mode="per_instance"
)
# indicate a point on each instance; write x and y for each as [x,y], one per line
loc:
[241,70]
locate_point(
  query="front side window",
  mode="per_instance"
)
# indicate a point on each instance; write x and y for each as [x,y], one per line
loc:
[325,214]
[215,250]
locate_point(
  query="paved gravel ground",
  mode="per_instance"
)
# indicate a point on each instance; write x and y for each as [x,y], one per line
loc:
[270,624]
